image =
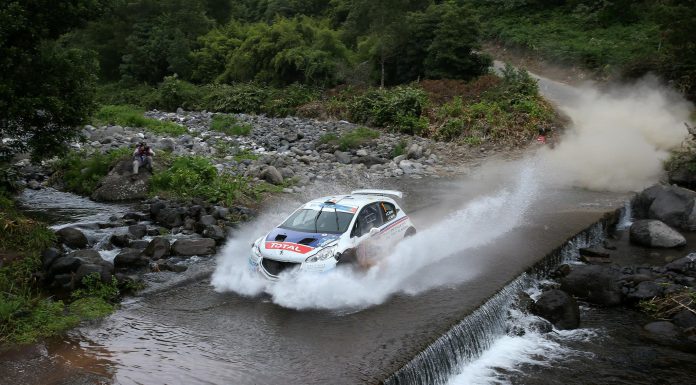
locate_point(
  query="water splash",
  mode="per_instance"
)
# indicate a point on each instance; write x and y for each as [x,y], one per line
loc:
[484,219]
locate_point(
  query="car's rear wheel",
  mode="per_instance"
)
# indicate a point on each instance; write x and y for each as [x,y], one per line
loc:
[410,232]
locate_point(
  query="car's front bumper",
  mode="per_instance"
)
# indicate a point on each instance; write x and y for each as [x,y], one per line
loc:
[256,265]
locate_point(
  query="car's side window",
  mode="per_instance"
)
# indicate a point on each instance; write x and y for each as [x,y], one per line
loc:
[368,218]
[388,211]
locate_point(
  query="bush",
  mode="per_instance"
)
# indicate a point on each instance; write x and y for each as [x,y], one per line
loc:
[194,176]
[80,172]
[286,101]
[141,95]
[390,107]
[229,125]
[351,139]
[173,93]
[237,98]
[132,116]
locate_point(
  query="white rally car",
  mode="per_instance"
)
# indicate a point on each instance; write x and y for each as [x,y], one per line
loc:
[332,230]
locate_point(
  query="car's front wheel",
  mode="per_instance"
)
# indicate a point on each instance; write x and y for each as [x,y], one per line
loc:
[410,232]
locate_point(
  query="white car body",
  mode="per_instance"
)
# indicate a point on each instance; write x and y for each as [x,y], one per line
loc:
[330,230]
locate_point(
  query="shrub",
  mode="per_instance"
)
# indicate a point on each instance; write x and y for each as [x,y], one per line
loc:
[173,93]
[229,125]
[80,172]
[237,98]
[356,138]
[142,95]
[194,176]
[132,116]
[390,107]
[399,149]
[286,101]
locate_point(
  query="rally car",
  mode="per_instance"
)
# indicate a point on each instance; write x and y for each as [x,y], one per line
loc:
[325,232]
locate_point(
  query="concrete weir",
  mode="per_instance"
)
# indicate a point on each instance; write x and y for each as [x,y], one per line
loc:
[477,331]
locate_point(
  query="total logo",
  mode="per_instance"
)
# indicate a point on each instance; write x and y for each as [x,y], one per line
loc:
[294,247]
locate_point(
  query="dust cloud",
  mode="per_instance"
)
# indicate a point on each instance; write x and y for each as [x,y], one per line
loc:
[618,138]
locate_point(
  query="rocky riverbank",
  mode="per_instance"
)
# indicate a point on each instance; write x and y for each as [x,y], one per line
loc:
[649,266]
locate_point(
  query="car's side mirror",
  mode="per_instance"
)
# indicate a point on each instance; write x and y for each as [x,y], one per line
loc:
[374,231]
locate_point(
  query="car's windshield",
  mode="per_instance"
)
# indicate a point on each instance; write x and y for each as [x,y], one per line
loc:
[304,220]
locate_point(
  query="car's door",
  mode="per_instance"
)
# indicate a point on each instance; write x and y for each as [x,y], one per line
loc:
[391,229]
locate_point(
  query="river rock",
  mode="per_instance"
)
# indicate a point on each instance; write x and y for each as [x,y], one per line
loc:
[104,269]
[685,319]
[207,220]
[119,186]
[271,175]
[72,237]
[169,217]
[137,231]
[159,247]
[654,233]
[120,240]
[70,262]
[645,290]
[342,157]
[685,265]
[129,258]
[215,232]
[670,204]
[597,284]
[559,308]
[189,247]
[49,256]
[414,152]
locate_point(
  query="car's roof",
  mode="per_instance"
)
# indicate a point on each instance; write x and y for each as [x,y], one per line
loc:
[347,202]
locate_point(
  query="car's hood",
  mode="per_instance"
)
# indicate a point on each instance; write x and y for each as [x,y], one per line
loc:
[294,246]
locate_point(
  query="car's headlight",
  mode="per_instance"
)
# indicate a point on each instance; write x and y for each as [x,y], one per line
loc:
[256,248]
[322,255]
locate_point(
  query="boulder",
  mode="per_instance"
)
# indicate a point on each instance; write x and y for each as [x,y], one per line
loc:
[137,231]
[120,240]
[654,233]
[670,204]
[414,152]
[189,247]
[72,237]
[597,284]
[119,186]
[207,220]
[559,308]
[369,160]
[139,244]
[342,157]
[645,290]
[169,217]
[215,232]
[49,256]
[685,265]
[104,269]
[129,258]
[69,263]
[271,175]
[685,319]
[159,247]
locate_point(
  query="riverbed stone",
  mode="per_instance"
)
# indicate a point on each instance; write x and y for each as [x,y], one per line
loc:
[104,269]
[169,217]
[559,308]
[645,290]
[684,265]
[72,237]
[121,185]
[190,247]
[137,231]
[120,240]
[49,256]
[271,175]
[655,233]
[597,284]
[129,258]
[70,262]
[669,204]
[158,248]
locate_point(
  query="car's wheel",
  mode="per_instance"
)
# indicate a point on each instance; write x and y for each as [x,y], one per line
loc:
[410,232]
[347,257]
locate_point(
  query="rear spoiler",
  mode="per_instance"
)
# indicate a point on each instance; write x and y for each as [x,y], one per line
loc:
[395,193]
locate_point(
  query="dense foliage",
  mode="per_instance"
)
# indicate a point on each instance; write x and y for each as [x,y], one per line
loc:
[46,87]
[628,38]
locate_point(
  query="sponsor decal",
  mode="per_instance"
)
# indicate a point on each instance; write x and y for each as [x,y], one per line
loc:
[294,247]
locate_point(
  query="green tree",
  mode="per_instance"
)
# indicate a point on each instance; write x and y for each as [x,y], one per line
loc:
[46,89]
[677,19]
[452,53]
